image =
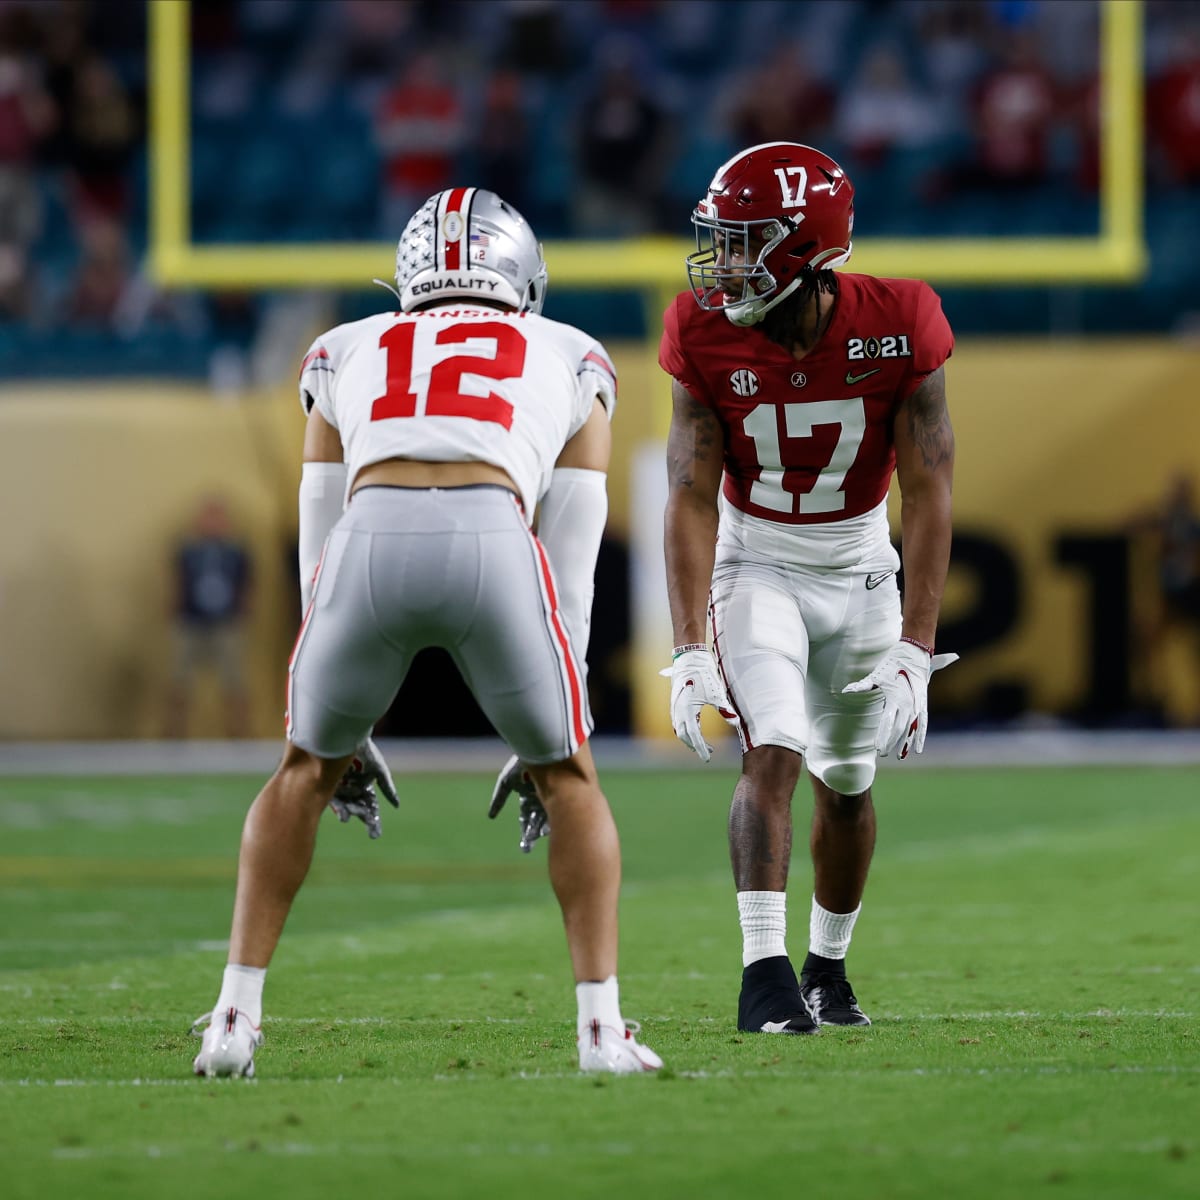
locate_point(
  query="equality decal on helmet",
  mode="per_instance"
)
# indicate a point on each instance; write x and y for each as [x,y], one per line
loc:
[469,242]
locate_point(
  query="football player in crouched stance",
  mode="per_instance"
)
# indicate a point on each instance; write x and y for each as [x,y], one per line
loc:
[796,393]
[442,426]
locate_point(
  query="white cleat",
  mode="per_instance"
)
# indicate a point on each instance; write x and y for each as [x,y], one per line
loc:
[603,1048]
[229,1044]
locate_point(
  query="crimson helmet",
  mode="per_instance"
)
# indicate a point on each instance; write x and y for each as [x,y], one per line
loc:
[770,212]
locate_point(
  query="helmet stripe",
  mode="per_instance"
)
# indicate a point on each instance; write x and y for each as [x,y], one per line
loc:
[458,202]
[750,150]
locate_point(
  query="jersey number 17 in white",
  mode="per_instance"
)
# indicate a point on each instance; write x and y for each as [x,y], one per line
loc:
[800,420]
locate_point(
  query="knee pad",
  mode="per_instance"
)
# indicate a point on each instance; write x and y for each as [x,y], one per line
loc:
[847,779]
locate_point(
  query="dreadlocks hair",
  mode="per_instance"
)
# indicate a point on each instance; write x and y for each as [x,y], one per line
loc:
[783,324]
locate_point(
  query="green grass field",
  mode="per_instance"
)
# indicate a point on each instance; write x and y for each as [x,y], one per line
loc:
[1028,950]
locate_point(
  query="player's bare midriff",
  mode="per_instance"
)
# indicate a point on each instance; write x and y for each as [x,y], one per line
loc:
[415,473]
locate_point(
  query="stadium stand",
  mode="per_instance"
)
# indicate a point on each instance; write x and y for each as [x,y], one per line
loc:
[288,145]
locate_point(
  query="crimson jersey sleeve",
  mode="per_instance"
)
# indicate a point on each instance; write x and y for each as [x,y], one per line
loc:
[932,343]
[672,357]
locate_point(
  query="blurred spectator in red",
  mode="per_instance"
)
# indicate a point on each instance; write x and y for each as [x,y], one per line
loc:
[502,140]
[102,278]
[778,100]
[102,129]
[1173,112]
[882,109]
[1014,112]
[1085,111]
[621,148]
[26,117]
[420,131]
[108,292]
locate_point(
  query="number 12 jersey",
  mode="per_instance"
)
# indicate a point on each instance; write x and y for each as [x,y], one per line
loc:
[458,384]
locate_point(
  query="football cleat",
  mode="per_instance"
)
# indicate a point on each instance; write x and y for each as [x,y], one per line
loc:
[603,1048]
[771,1000]
[229,1044]
[832,999]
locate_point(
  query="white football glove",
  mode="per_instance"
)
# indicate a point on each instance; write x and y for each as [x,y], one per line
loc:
[695,682]
[903,678]
[355,794]
[534,822]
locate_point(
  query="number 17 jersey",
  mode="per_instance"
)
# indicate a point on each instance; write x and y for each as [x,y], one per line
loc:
[458,383]
[809,453]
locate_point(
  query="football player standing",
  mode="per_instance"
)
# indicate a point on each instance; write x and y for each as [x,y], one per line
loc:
[796,394]
[433,434]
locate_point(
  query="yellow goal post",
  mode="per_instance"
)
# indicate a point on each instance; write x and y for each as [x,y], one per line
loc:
[654,264]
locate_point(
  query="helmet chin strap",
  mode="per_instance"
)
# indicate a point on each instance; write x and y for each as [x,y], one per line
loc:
[389,287]
[750,312]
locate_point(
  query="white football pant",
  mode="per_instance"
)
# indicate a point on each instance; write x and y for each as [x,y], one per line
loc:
[788,639]
[407,568]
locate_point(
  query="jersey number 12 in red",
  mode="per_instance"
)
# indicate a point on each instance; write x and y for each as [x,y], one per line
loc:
[445,397]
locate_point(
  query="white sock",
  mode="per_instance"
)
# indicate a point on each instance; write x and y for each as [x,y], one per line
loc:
[764,925]
[242,988]
[829,933]
[598,1002]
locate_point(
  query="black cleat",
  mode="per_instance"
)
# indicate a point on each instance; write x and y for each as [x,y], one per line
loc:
[771,1000]
[831,999]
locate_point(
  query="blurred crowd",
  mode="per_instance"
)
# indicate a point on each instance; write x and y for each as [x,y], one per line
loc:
[71,126]
[333,119]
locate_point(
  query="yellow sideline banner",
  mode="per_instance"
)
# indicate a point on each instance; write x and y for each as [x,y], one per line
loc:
[1059,445]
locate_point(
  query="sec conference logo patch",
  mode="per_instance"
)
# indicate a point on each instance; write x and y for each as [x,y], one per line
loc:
[744,382]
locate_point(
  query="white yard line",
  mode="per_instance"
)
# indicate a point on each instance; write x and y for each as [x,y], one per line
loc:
[1010,748]
[1156,1014]
[785,1070]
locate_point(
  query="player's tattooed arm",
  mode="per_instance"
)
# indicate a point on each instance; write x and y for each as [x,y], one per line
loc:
[924,441]
[924,423]
[695,461]
[695,445]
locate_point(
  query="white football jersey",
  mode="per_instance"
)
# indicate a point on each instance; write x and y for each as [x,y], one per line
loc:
[458,383]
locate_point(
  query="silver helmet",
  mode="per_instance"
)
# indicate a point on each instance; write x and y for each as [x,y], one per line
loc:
[468,243]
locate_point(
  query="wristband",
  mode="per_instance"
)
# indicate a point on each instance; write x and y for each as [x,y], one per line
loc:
[913,642]
[685,649]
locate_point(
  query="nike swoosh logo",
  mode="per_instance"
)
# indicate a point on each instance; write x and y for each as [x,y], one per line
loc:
[780,1027]
[851,380]
[873,581]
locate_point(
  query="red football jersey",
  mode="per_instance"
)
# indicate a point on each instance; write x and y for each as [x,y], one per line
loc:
[809,441]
